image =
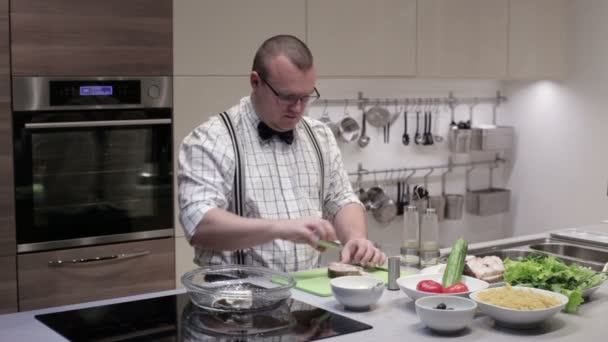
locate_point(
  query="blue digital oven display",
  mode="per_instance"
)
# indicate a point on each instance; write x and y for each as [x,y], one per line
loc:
[96,90]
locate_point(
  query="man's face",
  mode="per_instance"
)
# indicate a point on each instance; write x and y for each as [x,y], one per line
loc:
[280,97]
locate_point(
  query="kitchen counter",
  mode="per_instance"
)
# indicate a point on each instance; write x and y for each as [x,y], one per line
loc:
[393,319]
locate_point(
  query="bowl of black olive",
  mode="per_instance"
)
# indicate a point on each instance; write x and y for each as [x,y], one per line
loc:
[446,314]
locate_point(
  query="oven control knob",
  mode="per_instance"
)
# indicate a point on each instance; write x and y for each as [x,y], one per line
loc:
[154,91]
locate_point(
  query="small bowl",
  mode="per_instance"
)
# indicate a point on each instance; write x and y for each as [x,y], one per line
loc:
[443,320]
[520,318]
[357,292]
[408,285]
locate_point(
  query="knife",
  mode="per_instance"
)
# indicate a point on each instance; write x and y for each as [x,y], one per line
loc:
[327,244]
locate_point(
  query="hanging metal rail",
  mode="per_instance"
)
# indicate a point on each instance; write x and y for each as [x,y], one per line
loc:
[361,172]
[451,101]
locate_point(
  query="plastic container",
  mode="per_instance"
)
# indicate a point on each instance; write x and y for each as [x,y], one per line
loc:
[237,288]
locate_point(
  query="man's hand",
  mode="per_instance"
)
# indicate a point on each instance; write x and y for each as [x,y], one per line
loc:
[362,251]
[306,230]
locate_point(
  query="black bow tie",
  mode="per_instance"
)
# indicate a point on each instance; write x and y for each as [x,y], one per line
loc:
[266,133]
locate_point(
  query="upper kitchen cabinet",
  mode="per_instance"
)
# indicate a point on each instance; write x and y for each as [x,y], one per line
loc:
[89,37]
[220,37]
[462,38]
[537,33]
[363,38]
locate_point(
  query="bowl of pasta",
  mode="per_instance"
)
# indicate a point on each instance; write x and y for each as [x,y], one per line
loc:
[518,306]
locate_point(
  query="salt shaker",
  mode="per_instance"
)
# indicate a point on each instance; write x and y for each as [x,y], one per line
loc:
[429,238]
[410,237]
[394,272]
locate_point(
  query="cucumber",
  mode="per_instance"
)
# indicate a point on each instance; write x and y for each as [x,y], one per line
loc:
[455,265]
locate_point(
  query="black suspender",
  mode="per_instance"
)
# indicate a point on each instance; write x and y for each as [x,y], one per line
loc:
[239,179]
[239,175]
[315,143]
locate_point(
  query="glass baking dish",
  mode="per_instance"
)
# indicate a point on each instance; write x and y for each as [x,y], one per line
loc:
[237,288]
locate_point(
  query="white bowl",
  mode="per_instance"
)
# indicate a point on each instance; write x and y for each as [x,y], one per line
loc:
[443,320]
[408,285]
[357,292]
[520,318]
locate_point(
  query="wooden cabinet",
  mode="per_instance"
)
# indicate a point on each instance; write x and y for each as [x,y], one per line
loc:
[8,244]
[537,33]
[8,284]
[221,37]
[362,38]
[88,37]
[42,285]
[462,38]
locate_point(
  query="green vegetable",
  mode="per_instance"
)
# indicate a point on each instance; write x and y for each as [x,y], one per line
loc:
[550,273]
[455,265]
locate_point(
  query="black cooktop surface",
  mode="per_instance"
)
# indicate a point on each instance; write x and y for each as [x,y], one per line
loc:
[175,318]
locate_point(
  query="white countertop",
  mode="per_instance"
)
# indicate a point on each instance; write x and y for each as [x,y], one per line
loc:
[393,319]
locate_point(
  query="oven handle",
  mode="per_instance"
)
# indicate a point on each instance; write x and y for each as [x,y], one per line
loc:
[123,256]
[105,123]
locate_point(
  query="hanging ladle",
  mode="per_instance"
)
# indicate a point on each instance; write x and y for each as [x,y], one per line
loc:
[418,137]
[406,137]
[363,139]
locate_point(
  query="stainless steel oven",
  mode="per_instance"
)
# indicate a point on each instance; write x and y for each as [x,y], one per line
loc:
[93,160]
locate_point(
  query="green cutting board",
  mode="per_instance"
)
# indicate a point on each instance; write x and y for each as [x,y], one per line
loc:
[316,281]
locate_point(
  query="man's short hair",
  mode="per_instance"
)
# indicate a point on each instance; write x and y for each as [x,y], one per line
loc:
[289,46]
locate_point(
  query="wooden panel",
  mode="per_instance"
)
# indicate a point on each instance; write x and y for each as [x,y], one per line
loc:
[462,38]
[537,34]
[90,37]
[363,38]
[7,201]
[221,37]
[8,285]
[43,286]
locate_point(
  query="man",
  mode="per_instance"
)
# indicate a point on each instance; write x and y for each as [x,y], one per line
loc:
[284,214]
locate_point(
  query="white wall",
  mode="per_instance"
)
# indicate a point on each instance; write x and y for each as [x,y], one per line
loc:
[378,155]
[560,173]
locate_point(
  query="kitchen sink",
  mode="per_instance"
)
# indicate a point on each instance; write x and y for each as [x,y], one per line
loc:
[585,255]
[573,251]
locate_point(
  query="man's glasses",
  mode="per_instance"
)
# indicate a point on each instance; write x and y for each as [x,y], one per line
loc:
[290,99]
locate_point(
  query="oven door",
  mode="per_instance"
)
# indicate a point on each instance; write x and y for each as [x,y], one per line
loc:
[92,177]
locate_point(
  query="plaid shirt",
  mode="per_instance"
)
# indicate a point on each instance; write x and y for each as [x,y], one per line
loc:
[282,182]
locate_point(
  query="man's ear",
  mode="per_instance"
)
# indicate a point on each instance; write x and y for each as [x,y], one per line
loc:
[254,79]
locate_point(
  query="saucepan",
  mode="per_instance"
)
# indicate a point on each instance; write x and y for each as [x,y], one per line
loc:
[348,127]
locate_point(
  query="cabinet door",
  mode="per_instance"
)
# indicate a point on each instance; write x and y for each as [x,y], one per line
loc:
[8,284]
[362,38]
[148,266]
[7,195]
[221,37]
[537,39]
[109,37]
[462,38]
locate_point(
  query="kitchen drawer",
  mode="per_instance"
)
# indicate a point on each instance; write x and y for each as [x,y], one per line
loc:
[8,285]
[142,266]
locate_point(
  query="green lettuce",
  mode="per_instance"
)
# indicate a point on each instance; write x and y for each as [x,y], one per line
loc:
[550,273]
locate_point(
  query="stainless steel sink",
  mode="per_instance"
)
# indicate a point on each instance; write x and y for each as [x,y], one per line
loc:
[573,251]
[569,252]
[512,254]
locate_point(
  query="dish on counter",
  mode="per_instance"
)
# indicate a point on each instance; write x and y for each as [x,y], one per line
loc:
[357,292]
[520,318]
[446,314]
[409,283]
[237,288]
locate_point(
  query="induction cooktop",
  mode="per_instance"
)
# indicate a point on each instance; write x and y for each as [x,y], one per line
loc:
[175,318]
